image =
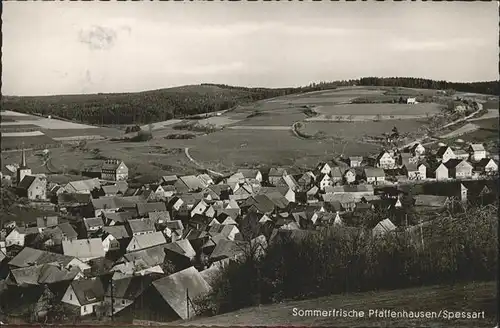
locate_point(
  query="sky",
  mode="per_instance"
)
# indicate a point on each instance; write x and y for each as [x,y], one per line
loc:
[91,47]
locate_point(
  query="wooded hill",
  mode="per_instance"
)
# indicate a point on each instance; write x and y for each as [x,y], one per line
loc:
[179,102]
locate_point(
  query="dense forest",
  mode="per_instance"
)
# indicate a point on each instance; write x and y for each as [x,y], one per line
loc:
[179,102]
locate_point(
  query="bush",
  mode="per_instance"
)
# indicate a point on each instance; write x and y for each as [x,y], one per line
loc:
[462,247]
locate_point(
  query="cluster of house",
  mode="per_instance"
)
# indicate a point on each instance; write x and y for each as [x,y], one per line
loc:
[159,245]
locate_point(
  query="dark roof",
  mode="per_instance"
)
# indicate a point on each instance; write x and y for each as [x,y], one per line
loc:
[88,290]
[173,289]
[67,230]
[66,199]
[130,288]
[111,164]
[31,256]
[430,200]
[26,182]
[261,203]
[141,225]
[440,152]
[374,172]
[145,208]
[47,221]
[121,217]
[228,249]
[117,231]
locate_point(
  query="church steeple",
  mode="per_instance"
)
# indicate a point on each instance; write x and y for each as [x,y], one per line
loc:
[23,160]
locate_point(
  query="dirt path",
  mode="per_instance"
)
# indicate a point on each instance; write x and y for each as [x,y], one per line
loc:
[192,160]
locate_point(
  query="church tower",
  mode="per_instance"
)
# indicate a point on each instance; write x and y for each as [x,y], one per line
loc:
[23,169]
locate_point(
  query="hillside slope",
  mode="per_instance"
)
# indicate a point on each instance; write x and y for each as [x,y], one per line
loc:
[460,297]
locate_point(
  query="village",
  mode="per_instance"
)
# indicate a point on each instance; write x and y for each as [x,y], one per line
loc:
[114,251]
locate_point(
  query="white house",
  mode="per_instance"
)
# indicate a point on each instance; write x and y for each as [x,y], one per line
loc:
[411,101]
[350,176]
[324,181]
[86,294]
[17,236]
[385,160]
[417,149]
[444,154]
[477,152]
[114,170]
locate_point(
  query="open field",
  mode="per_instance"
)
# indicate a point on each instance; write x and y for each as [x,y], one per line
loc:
[460,297]
[37,141]
[50,123]
[18,128]
[381,109]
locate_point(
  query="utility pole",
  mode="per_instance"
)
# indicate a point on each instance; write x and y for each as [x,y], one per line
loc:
[112,300]
[187,302]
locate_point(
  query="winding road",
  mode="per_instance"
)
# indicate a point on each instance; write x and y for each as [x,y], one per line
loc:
[186,151]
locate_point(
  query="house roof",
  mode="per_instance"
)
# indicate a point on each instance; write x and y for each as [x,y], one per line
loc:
[229,221]
[192,182]
[356,158]
[149,240]
[83,248]
[430,200]
[205,179]
[52,273]
[374,172]
[30,256]
[145,208]
[212,273]
[130,288]
[249,173]
[88,290]
[453,163]
[261,203]
[441,150]
[173,289]
[222,229]
[111,164]
[157,216]
[90,223]
[336,172]
[175,225]
[485,161]
[228,249]
[120,217]
[67,230]
[66,199]
[384,226]
[150,256]
[278,199]
[169,178]
[117,231]
[277,171]
[182,247]
[27,182]
[477,147]
[47,221]
[141,225]
[117,202]
[83,185]
[110,189]
[342,198]
[350,188]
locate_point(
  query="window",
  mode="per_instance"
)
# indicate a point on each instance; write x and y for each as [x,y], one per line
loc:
[70,297]
[123,302]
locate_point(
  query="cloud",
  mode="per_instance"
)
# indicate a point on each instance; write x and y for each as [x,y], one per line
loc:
[98,37]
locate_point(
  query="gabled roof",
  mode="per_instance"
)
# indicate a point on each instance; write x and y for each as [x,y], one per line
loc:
[66,199]
[110,189]
[120,217]
[485,161]
[157,216]
[205,179]
[182,247]
[261,203]
[52,273]
[374,172]
[350,188]
[68,230]
[384,226]
[31,256]
[83,248]
[249,173]
[88,290]
[229,221]
[150,256]
[441,150]
[169,179]
[228,249]
[477,147]
[336,172]
[342,198]
[453,163]
[111,164]
[277,171]
[117,202]
[117,231]
[27,182]
[145,208]
[173,289]
[191,182]
[175,225]
[430,200]
[47,221]
[149,240]
[141,225]
[130,288]
[90,223]
[82,185]
[278,199]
